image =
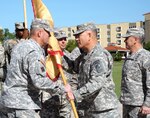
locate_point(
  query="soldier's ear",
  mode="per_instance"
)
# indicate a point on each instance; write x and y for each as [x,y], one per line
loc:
[39,33]
[88,33]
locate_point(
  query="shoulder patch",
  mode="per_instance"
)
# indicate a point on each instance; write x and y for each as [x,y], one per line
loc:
[98,66]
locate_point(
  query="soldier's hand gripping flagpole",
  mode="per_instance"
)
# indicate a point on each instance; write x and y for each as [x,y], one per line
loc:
[53,62]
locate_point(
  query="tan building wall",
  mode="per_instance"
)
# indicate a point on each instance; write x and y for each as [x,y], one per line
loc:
[69,31]
[117,30]
[102,34]
[147,27]
[108,33]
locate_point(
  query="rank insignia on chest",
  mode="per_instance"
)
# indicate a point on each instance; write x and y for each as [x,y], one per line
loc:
[42,69]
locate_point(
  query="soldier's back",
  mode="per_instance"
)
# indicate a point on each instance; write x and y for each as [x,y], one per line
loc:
[2,63]
[8,46]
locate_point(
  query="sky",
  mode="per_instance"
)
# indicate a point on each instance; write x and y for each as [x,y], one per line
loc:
[67,13]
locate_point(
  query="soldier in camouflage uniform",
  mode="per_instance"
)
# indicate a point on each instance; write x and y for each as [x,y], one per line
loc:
[95,93]
[56,105]
[2,63]
[135,85]
[27,75]
[22,33]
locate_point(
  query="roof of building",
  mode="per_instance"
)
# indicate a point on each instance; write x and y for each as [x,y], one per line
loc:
[146,13]
[116,48]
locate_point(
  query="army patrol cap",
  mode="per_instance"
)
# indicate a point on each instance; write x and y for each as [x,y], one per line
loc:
[137,32]
[19,25]
[59,34]
[41,23]
[84,27]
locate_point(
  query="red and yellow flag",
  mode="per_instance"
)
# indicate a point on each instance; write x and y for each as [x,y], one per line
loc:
[53,60]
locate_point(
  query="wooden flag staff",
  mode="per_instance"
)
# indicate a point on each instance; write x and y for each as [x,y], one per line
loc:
[25,13]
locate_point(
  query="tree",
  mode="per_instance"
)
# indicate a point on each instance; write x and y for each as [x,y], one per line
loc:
[5,34]
[117,56]
[1,35]
[71,45]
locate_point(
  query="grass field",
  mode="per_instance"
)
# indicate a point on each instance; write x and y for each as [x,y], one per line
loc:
[117,70]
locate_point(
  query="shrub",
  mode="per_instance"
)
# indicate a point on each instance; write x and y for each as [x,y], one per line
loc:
[71,45]
[117,56]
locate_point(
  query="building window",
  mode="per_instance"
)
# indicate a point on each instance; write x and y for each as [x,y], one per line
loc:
[132,27]
[69,34]
[118,35]
[108,33]
[69,29]
[98,30]
[118,29]
[108,26]
[108,38]
[98,36]
[118,42]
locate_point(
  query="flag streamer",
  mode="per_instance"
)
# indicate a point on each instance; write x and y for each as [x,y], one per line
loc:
[53,62]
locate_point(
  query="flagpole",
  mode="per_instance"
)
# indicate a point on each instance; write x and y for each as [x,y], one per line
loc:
[71,101]
[25,14]
[41,11]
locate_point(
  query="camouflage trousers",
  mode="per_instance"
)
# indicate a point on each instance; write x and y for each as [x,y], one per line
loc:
[111,113]
[56,107]
[133,112]
[15,113]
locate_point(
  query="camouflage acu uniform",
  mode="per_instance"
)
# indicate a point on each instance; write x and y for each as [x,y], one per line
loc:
[2,63]
[3,66]
[26,77]
[56,105]
[75,53]
[65,107]
[13,113]
[95,92]
[8,46]
[136,83]
[10,43]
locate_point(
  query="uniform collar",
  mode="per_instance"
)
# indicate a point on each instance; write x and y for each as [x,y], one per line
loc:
[91,52]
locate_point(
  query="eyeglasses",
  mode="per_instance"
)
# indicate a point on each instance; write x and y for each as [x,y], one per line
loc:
[47,32]
[78,35]
[61,39]
[19,30]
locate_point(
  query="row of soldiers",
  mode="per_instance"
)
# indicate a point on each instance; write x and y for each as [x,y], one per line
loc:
[29,93]
[88,69]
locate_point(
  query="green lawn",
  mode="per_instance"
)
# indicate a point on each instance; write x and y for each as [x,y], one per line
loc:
[117,70]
